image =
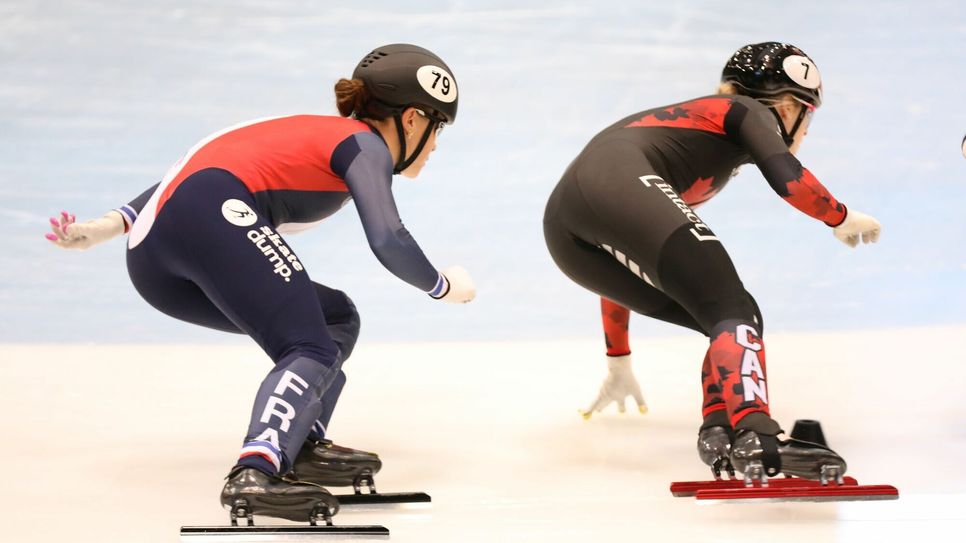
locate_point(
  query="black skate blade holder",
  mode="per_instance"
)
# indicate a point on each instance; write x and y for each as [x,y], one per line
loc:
[282,533]
[723,463]
[366,498]
[242,509]
[250,531]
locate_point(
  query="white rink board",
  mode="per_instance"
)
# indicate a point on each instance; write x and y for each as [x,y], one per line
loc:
[128,443]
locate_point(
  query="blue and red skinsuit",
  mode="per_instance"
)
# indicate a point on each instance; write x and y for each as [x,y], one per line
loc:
[205,247]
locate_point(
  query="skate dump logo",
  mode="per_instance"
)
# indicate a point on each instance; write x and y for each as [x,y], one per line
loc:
[238,213]
[752,374]
[278,254]
[668,191]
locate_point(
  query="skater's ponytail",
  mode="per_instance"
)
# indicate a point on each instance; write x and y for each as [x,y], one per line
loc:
[351,96]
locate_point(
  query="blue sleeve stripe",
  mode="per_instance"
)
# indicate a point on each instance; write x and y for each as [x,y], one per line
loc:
[128,213]
[440,287]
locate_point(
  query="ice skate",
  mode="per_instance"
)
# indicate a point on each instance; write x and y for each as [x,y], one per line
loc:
[324,463]
[813,471]
[714,449]
[762,456]
[250,492]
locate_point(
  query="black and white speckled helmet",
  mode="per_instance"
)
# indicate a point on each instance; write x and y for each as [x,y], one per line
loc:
[763,70]
[401,75]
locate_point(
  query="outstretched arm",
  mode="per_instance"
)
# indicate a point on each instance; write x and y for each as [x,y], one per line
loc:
[366,167]
[620,381]
[69,234]
[132,209]
[755,128]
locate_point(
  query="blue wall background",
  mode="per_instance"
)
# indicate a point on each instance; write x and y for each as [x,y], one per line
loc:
[98,98]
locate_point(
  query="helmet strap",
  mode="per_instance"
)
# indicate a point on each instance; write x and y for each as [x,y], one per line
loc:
[798,123]
[401,163]
[404,162]
[789,137]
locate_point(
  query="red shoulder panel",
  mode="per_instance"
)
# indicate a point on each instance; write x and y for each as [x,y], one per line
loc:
[705,114]
[287,153]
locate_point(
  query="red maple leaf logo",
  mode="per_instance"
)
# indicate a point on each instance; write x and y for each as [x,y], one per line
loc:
[701,191]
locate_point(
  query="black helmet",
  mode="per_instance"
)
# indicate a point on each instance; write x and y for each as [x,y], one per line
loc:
[402,75]
[764,70]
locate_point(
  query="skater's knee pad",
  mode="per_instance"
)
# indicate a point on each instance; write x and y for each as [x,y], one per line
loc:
[355,322]
[346,332]
[760,320]
[322,350]
[311,371]
[733,306]
[341,318]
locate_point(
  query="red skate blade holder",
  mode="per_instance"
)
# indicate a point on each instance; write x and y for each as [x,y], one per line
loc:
[782,489]
[687,489]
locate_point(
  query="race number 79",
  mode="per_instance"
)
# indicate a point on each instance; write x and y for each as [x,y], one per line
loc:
[437,82]
[444,79]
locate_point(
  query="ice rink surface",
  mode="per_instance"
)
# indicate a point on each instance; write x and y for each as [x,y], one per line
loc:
[128,443]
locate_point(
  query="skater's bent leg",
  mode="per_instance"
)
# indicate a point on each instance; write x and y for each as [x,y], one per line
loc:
[713,409]
[616,319]
[287,406]
[342,320]
[738,357]
[700,275]
[251,275]
[329,401]
[292,329]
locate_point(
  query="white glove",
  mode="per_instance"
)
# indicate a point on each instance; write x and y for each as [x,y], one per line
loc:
[459,286]
[619,384]
[69,234]
[857,226]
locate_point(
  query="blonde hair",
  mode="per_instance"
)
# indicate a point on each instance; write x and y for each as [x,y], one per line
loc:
[727,88]
[783,98]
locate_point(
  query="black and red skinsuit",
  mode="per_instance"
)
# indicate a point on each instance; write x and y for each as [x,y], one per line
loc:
[621,223]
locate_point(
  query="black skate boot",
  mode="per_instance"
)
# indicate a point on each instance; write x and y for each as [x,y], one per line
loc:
[249,492]
[325,463]
[714,448]
[761,456]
